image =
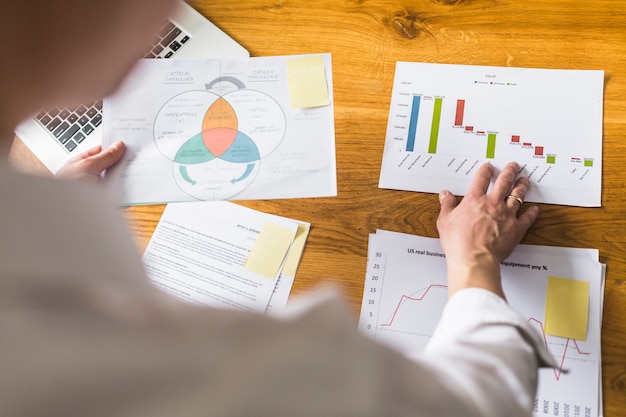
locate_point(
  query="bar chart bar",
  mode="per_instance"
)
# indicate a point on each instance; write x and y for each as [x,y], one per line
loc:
[551,159]
[434,129]
[460,108]
[415,109]
[538,150]
[491,145]
[515,138]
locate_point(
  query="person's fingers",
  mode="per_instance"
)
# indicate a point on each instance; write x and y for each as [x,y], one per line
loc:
[481,181]
[86,154]
[519,191]
[91,152]
[528,217]
[504,181]
[107,157]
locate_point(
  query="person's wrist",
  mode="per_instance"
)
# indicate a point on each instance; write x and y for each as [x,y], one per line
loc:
[483,272]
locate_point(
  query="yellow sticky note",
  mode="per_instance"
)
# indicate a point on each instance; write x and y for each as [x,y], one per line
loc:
[295,252]
[269,250]
[567,308]
[307,82]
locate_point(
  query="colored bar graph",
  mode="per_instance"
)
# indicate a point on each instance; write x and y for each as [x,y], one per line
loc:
[415,109]
[418,103]
[434,129]
[460,108]
[491,145]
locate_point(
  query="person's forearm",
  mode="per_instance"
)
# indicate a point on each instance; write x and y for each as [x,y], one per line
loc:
[488,353]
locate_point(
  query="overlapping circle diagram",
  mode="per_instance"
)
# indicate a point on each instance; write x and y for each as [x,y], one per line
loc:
[216,142]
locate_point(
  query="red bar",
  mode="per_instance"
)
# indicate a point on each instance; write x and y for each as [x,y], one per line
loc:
[527,144]
[538,150]
[515,138]
[469,128]
[460,108]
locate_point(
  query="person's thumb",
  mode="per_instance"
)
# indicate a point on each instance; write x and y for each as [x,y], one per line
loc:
[107,158]
[447,201]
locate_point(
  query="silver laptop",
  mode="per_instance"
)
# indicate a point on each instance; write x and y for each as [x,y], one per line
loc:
[55,135]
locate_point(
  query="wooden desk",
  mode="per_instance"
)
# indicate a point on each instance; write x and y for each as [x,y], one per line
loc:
[366,38]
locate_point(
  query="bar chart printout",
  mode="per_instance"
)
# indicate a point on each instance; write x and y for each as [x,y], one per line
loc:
[401,308]
[446,120]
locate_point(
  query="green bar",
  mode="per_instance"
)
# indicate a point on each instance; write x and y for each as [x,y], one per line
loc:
[551,159]
[588,163]
[491,145]
[434,128]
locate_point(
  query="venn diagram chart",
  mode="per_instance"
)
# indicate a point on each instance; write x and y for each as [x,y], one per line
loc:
[216,143]
[223,129]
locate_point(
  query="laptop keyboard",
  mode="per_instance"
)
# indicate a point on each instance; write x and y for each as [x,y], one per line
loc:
[70,127]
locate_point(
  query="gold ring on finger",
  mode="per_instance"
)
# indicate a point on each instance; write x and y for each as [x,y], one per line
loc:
[519,200]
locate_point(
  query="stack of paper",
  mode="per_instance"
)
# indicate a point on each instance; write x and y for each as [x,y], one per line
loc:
[559,290]
[221,254]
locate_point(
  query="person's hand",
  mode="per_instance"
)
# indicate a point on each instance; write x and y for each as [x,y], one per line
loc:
[480,232]
[90,164]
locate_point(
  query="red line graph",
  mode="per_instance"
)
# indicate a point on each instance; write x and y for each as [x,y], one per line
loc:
[407,297]
[557,373]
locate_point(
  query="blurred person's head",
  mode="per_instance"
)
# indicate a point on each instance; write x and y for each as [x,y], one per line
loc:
[68,52]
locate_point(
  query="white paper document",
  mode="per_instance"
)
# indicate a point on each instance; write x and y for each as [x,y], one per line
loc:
[199,250]
[447,120]
[224,129]
[406,290]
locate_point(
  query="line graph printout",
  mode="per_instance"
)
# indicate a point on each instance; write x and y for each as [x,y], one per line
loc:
[406,290]
[220,129]
[446,120]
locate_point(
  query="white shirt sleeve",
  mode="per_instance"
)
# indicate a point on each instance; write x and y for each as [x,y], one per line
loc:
[487,353]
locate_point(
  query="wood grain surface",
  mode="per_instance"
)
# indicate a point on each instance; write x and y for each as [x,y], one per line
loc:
[366,38]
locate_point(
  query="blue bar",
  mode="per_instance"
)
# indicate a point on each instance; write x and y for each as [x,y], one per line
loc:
[415,109]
